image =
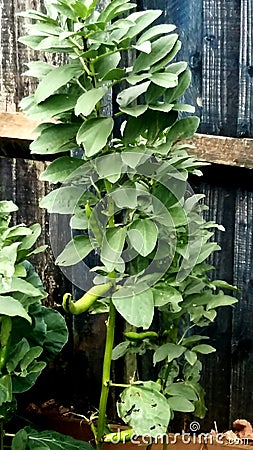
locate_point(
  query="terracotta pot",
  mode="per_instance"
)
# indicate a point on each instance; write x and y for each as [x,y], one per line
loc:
[75,425]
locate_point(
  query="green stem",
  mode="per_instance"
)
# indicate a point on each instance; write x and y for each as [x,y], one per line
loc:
[106,375]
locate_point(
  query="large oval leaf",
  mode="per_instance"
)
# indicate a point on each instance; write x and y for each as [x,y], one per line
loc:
[169,352]
[112,246]
[76,250]
[93,134]
[137,308]
[56,78]
[143,235]
[145,409]
[87,102]
[11,307]
[29,438]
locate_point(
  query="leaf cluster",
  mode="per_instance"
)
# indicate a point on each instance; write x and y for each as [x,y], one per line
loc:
[30,334]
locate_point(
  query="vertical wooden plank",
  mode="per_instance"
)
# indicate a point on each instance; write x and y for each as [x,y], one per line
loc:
[245,85]
[217,366]
[220,61]
[242,341]
[19,181]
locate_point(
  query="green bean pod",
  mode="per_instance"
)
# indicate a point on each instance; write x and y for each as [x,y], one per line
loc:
[86,301]
[135,337]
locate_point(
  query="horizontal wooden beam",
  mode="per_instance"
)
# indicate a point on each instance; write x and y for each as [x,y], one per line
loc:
[16,131]
[17,126]
[223,150]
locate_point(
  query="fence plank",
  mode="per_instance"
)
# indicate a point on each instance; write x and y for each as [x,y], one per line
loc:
[242,341]
[217,366]
[245,86]
[220,58]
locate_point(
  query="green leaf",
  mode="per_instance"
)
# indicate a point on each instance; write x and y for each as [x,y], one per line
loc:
[94,133]
[8,256]
[65,200]
[181,404]
[169,352]
[220,300]
[17,353]
[109,167]
[75,251]
[107,64]
[133,156]
[130,94]
[37,69]
[224,285]
[164,295]
[19,285]
[30,240]
[206,250]
[5,389]
[52,107]
[55,139]
[112,246]
[184,107]
[137,308]
[31,439]
[160,48]
[184,81]
[190,357]
[56,333]
[9,306]
[87,102]
[142,20]
[125,197]
[183,129]
[134,111]
[30,356]
[145,409]
[182,390]
[165,79]
[205,349]
[113,9]
[195,338]
[7,206]
[120,350]
[60,169]
[143,234]
[155,31]
[55,79]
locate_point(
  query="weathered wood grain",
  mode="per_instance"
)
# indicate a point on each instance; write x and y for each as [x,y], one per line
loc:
[245,85]
[242,331]
[221,37]
[19,179]
[223,150]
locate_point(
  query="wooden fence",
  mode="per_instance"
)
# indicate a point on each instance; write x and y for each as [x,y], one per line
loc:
[217,42]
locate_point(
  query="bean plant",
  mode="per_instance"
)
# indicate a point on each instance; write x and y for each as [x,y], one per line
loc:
[31,334]
[128,195]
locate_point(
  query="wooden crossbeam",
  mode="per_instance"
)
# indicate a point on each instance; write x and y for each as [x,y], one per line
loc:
[17,131]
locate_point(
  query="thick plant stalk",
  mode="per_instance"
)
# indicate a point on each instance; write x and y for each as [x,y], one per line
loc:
[106,375]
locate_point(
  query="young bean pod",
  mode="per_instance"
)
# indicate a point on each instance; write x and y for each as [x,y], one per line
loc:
[133,336]
[86,301]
